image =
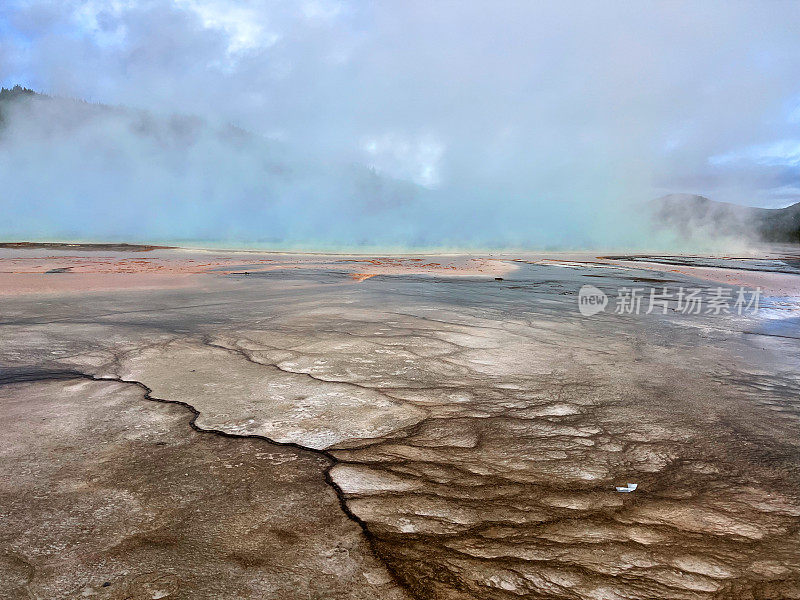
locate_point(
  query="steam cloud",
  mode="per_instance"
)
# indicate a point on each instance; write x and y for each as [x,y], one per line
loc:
[397,124]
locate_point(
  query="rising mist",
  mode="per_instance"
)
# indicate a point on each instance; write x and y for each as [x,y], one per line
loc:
[325,125]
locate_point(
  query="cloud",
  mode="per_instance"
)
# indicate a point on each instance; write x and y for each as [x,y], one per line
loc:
[782,152]
[536,117]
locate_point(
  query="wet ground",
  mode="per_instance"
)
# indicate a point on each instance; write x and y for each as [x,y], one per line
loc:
[408,436]
[785,264]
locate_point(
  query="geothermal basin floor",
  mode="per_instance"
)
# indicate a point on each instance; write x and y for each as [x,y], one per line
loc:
[222,425]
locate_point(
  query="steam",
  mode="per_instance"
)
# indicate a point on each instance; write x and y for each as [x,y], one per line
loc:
[71,170]
[391,125]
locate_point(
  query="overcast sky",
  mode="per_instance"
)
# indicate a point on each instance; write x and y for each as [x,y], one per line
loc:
[537,104]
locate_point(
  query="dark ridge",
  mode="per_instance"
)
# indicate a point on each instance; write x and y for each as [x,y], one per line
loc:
[16,92]
[689,214]
[12,95]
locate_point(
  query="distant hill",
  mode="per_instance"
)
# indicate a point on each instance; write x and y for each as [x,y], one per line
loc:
[691,215]
[71,169]
[42,115]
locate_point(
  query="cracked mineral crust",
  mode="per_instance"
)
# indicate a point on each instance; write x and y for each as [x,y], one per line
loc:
[474,434]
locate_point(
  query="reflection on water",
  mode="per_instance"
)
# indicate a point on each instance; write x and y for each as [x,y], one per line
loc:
[789,265]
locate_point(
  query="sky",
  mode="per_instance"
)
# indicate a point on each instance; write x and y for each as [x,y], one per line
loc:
[515,123]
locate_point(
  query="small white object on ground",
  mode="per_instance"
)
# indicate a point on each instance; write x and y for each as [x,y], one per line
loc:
[627,487]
